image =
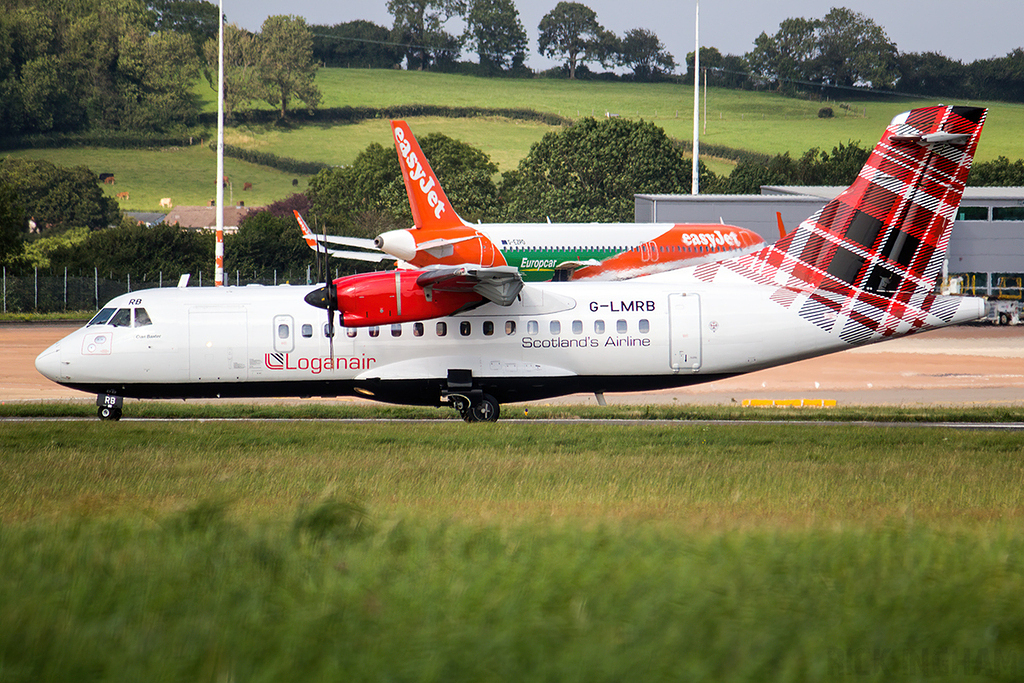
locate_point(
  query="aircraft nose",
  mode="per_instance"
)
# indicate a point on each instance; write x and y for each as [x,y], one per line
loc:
[48,362]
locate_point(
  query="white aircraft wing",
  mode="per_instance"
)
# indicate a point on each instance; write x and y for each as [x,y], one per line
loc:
[500,284]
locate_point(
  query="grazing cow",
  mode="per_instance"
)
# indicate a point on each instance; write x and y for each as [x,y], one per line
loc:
[247,186]
[122,195]
[165,203]
[109,180]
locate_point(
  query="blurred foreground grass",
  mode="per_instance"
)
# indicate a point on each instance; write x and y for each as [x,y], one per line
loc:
[451,552]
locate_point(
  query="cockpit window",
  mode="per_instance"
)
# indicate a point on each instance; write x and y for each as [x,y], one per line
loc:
[123,318]
[142,318]
[101,317]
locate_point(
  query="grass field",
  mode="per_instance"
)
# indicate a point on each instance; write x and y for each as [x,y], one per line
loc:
[447,552]
[761,122]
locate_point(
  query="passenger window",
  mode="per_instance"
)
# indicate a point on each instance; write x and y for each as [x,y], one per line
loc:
[555,327]
[577,327]
[307,330]
[396,330]
[328,331]
[283,331]
[442,329]
[465,328]
[101,317]
[510,327]
[532,327]
[374,331]
[417,329]
[598,327]
[488,328]
[350,331]
[620,326]
[123,318]
[645,326]
[142,318]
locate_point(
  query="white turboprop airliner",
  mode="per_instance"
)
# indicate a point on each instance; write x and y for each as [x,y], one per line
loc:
[539,251]
[859,271]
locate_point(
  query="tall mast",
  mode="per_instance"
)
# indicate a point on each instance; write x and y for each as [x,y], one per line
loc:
[218,278]
[695,177]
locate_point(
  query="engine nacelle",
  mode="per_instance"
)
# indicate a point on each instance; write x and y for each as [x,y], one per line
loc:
[394,297]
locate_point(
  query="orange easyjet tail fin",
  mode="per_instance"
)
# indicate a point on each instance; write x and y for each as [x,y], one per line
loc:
[430,205]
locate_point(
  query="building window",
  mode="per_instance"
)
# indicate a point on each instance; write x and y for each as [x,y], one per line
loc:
[1008,213]
[972,213]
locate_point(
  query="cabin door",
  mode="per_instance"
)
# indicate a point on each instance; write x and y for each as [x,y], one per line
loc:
[684,334]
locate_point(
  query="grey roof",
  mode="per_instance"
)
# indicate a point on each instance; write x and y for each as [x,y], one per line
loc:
[831,192]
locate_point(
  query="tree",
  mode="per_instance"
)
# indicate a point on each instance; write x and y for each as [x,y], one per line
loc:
[67,66]
[265,242]
[356,44]
[931,73]
[642,52]
[286,62]
[369,196]
[787,55]
[590,172]
[57,197]
[12,222]
[198,19]
[493,29]
[243,82]
[419,26]
[853,49]
[571,30]
[844,49]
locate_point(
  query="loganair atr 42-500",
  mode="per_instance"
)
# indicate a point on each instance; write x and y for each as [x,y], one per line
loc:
[861,270]
[539,251]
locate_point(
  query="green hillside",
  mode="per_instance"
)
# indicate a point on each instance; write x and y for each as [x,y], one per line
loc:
[760,122]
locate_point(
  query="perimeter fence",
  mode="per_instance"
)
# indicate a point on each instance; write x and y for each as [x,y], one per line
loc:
[44,292]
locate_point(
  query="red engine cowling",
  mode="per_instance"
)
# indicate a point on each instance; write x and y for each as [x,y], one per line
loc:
[394,297]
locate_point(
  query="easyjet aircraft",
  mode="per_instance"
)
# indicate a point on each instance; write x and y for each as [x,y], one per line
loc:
[540,251]
[861,270]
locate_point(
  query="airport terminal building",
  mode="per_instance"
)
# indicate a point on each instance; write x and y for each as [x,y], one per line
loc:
[986,248]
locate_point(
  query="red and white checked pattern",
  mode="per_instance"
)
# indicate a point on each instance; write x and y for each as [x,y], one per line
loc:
[872,255]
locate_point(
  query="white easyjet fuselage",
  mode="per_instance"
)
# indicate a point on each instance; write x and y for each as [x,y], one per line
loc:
[558,338]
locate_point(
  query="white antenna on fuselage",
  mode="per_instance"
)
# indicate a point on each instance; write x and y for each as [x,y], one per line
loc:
[218,275]
[695,176]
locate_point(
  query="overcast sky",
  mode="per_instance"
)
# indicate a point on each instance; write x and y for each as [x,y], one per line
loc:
[959,30]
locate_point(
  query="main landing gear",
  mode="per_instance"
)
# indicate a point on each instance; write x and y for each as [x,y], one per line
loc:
[108,407]
[481,408]
[472,403]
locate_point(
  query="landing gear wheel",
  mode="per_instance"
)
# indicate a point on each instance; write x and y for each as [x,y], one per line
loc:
[485,409]
[108,413]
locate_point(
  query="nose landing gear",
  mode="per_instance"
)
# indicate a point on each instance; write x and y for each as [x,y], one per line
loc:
[109,407]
